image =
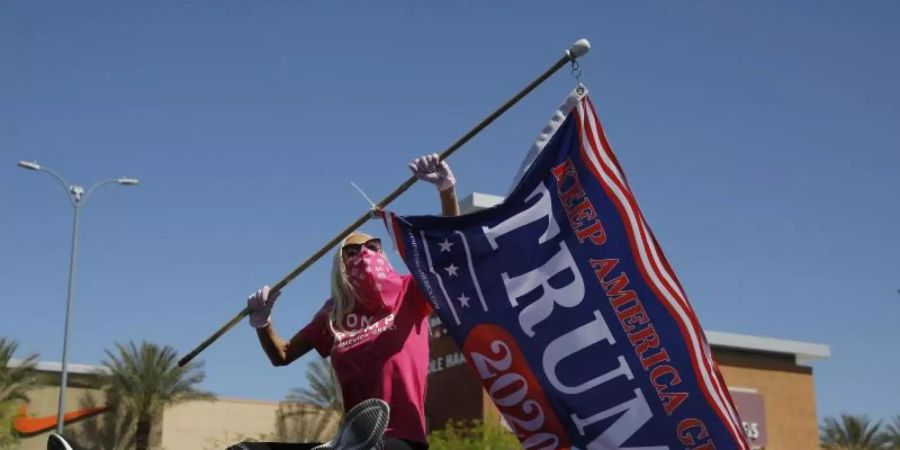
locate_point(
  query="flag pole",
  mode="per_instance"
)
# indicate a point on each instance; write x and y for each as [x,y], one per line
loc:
[577,50]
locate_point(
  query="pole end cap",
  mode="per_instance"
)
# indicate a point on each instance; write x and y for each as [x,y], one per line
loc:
[579,49]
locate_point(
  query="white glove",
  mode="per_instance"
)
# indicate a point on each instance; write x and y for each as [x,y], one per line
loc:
[430,168]
[260,304]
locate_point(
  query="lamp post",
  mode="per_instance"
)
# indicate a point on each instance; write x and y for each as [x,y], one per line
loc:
[78,197]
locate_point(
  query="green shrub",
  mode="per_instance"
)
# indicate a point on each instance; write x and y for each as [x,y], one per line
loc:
[472,435]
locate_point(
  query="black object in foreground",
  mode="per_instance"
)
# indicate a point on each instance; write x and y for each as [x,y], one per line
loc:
[362,427]
[58,442]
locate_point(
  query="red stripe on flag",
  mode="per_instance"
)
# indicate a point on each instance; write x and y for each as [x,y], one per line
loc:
[653,256]
[712,376]
[612,156]
[708,365]
[660,266]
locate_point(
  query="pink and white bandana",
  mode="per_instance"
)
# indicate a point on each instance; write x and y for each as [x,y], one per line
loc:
[374,281]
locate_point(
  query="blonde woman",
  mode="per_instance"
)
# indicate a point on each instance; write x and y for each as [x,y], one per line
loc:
[374,327]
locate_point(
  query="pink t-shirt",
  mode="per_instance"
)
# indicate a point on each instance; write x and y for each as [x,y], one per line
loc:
[383,356]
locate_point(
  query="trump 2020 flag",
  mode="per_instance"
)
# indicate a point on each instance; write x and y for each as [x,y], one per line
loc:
[566,309]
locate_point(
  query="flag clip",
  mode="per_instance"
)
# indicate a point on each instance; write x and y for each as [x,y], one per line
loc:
[576,73]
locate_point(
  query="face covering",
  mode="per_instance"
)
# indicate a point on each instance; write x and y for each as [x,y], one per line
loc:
[373,280]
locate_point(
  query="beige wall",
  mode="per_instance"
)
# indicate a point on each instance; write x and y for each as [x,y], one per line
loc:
[217,424]
[197,425]
[788,395]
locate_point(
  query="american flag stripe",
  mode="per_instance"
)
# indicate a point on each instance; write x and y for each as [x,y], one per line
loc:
[608,173]
[661,265]
[682,310]
[605,144]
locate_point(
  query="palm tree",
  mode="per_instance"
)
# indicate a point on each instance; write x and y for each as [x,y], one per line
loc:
[15,382]
[891,435]
[850,433]
[312,413]
[146,379]
[323,390]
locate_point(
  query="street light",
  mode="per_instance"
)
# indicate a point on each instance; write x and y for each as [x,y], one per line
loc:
[78,197]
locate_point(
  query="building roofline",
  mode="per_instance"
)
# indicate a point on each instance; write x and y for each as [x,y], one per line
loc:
[55,366]
[477,201]
[803,352]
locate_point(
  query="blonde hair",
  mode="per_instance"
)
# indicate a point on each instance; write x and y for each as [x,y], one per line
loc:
[343,298]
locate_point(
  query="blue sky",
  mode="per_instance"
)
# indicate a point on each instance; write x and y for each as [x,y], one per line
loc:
[760,139]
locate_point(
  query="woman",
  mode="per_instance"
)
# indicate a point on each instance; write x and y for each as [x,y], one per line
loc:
[374,327]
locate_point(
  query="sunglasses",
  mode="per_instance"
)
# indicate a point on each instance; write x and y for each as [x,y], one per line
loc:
[354,249]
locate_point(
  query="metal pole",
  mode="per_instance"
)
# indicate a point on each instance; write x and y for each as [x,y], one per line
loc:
[577,50]
[78,197]
[65,366]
